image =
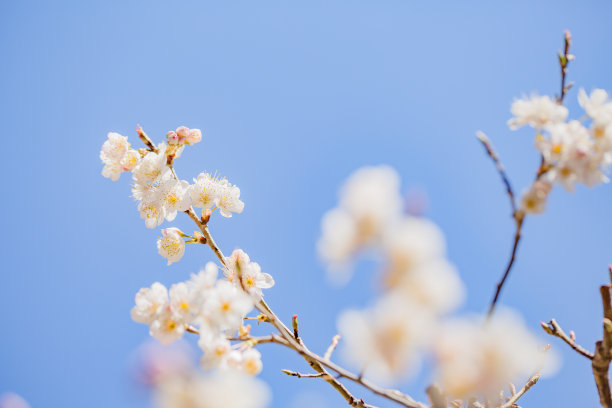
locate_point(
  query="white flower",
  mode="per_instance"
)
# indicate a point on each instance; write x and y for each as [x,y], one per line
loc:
[537,112]
[130,160]
[149,301]
[114,148]
[411,243]
[386,339]
[204,192]
[596,106]
[227,306]
[221,390]
[534,199]
[480,359]
[229,199]
[435,285]
[216,350]
[239,264]
[339,240]
[151,212]
[203,282]
[112,171]
[168,326]
[171,245]
[174,197]
[369,203]
[152,167]
[181,301]
[251,362]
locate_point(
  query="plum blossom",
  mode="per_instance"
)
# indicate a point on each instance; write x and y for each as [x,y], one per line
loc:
[171,245]
[253,279]
[480,359]
[386,340]
[537,112]
[149,301]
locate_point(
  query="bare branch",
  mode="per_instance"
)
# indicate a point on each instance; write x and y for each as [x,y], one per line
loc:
[530,383]
[498,165]
[554,329]
[564,59]
[332,347]
[300,375]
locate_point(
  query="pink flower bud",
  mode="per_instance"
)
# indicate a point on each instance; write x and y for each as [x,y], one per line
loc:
[182,132]
[194,136]
[172,137]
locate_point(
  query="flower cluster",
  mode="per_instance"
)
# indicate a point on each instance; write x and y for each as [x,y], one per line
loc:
[117,156]
[160,194]
[216,307]
[572,151]
[421,287]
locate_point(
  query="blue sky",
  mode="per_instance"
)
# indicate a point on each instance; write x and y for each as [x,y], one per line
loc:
[291,98]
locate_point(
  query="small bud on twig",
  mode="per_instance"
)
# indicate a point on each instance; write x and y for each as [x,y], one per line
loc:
[294,324]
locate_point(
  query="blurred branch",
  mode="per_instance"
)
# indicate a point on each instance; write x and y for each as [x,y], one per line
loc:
[564,59]
[530,383]
[517,215]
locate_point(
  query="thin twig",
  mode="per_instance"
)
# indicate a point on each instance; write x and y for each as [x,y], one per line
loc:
[332,347]
[517,215]
[498,165]
[300,375]
[532,381]
[554,329]
[564,59]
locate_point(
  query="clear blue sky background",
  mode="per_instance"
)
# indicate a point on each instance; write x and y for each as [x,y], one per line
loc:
[291,97]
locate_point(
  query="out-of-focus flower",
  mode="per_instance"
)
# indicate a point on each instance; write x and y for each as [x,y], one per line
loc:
[221,390]
[480,359]
[387,339]
[149,301]
[537,112]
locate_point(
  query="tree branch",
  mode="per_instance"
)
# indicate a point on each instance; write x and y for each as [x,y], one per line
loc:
[554,329]
[530,383]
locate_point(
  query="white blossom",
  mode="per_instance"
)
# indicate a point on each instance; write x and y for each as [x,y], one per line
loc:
[251,362]
[112,171]
[229,199]
[152,167]
[149,301]
[12,400]
[174,197]
[181,301]
[204,192]
[533,200]
[227,306]
[477,358]
[171,245]
[537,112]
[435,285]
[216,349]
[596,106]
[152,212]
[130,160]
[386,340]
[114,148]
[194,136]
[221,390]
[253,279]
[410,243]
[369,203]
[168,326]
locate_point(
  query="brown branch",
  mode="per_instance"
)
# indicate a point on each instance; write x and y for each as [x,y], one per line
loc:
[554,329]
[517,215]
[300,375]
[603,352]
[564,59]
[332,347]
[530,383]
[146,139]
